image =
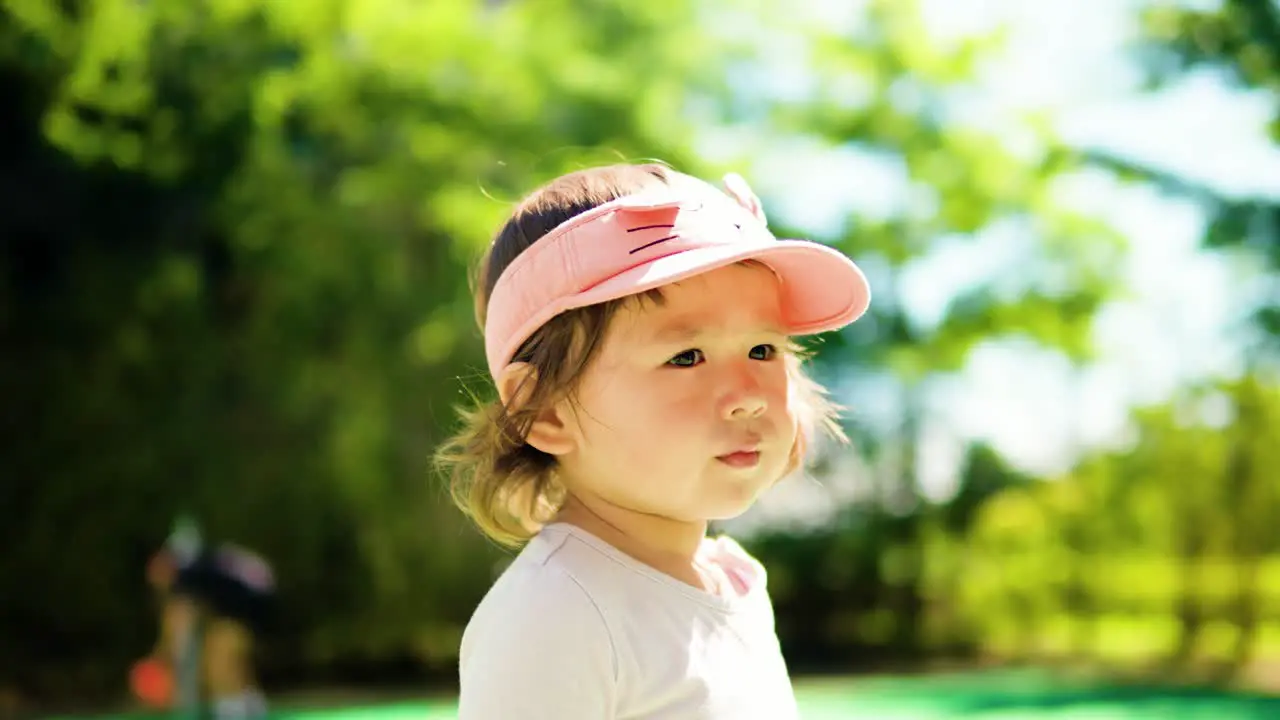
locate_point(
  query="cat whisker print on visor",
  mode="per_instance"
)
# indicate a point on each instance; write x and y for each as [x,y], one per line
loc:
[655,242]
[654,227]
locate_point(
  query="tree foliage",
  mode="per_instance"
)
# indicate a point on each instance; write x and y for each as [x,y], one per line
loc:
[236,244]
[1163,553]
[1239,42]
[237,239]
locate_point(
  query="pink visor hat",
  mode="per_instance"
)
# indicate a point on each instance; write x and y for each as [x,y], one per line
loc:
[644,241]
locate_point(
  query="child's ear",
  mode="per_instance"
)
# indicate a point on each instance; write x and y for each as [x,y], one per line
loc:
[552,430]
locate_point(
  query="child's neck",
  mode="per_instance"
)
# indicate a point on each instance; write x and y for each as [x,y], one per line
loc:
[664,544]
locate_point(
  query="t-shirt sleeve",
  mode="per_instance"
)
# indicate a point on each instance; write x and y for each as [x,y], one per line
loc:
[537,649]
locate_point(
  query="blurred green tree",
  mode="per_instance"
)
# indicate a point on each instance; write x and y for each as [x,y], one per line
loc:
[1237,41]
[236,249]
[1161,552]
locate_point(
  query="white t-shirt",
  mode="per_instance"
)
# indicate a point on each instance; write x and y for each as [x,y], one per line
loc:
[575,629]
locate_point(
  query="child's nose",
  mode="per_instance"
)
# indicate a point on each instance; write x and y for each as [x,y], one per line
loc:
[745,401]
[748,407]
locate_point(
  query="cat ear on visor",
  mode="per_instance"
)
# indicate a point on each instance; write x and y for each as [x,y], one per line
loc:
[739,190]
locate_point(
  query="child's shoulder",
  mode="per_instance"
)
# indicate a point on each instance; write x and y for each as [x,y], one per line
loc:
[534,606]
[558,568]
[568,567]
[544,572]
[545,595]
[568,576]
[562,552]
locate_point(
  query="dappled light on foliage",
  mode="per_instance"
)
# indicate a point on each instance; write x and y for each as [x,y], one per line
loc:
[238,241]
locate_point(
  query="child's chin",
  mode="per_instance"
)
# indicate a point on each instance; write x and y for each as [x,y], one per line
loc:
[728,508]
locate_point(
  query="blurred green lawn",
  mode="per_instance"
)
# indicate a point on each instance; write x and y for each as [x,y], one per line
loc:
[1020,695]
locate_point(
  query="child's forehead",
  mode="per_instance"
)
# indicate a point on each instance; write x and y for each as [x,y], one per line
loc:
[683,310]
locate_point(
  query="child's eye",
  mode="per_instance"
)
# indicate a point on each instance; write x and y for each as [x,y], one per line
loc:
[763,352]
[688,358]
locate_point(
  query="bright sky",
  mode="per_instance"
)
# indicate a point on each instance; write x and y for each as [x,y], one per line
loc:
[1175,324]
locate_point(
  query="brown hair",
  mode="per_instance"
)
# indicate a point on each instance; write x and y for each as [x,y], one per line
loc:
[506,486]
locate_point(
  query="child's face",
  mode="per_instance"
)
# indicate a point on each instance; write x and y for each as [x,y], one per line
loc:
[684,413]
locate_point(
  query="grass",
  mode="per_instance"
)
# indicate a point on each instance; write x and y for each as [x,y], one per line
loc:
[999,695]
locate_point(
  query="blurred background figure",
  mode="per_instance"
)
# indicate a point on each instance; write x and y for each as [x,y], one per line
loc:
[214,602]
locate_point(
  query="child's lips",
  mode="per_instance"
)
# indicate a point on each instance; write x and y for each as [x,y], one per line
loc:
[741,458]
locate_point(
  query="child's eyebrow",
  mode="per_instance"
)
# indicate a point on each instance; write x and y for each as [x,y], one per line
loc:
[680,332]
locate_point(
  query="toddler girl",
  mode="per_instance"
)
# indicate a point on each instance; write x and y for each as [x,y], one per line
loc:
[638,327]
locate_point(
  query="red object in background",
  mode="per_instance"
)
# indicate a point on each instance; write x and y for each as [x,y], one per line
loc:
[152,683]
